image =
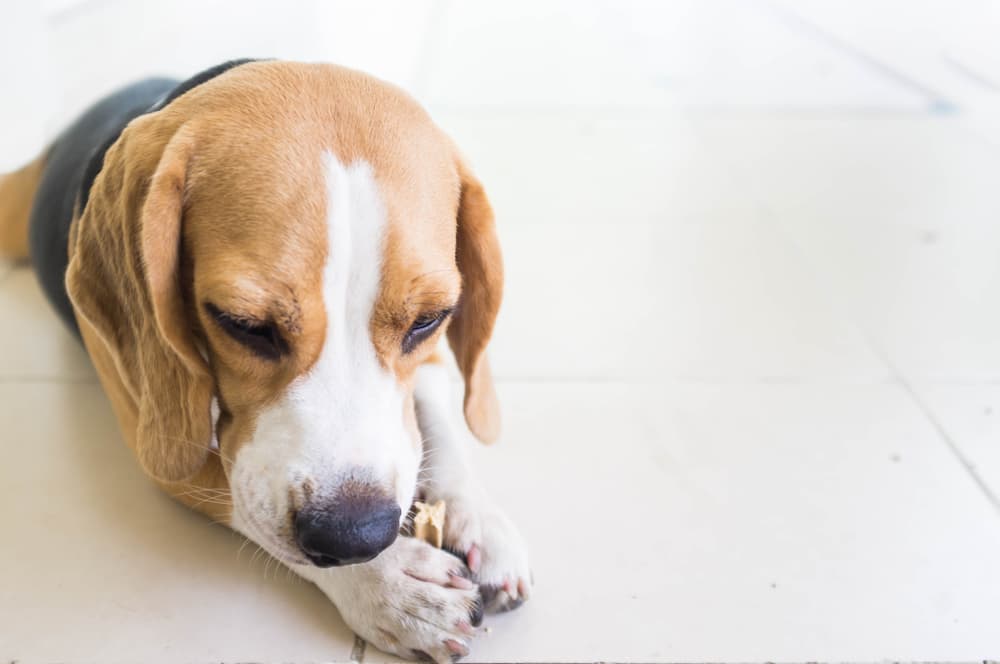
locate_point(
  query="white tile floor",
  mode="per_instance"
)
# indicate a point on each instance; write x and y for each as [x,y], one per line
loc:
[750,330]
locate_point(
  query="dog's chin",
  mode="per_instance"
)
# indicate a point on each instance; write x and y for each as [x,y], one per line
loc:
[288,556]
[325,562]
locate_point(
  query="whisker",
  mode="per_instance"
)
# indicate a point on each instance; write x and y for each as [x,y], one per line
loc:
[256,554]
[204,492]
[219,498]
[215,452]
[239,551]
[214,500]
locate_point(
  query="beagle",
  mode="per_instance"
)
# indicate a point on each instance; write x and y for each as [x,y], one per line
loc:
[260,262]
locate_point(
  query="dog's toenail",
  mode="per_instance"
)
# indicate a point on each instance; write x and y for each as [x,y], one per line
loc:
[473,559]
[456,647]
[456,581]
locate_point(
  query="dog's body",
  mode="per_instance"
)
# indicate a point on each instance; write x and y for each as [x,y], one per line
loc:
[260,261]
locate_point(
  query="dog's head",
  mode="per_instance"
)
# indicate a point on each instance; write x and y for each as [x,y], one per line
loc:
[285,244]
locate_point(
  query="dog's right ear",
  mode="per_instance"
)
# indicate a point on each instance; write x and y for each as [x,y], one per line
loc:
[123,280]
[477,254]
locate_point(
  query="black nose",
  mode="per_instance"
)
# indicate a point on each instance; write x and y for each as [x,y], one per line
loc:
[347,531]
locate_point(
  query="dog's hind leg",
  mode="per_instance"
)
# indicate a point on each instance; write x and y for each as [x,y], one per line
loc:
[17,195]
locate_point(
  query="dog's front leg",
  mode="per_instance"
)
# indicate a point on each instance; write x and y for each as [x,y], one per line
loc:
[412,600]
[475,528]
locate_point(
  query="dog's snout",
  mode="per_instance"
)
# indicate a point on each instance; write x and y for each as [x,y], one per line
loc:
[347,531]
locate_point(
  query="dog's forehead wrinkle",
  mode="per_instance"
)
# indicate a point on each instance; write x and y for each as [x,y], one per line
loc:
[430,274]
[259,294]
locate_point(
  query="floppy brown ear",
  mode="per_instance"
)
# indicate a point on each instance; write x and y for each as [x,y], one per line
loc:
[477,252]
[123,281]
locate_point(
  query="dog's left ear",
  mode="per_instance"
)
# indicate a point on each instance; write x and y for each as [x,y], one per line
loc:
[477,253]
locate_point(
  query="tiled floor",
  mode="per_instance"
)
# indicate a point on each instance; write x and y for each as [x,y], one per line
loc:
[749,356]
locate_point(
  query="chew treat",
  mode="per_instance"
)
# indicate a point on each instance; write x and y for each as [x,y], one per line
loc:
[428,522]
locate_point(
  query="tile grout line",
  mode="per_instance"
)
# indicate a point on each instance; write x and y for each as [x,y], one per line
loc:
[895,375]
[938,102]
[358,650]
[764,214]
[925,410]
[899,378]
[929,415]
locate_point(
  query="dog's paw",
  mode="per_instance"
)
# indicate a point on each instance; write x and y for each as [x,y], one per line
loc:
[413,600]
[493,549]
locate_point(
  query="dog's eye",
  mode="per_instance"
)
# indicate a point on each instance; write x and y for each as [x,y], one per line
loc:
[261,337]
[422,328]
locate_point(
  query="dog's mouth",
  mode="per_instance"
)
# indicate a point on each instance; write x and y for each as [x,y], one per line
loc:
[323,560]
[268,541]
[294,551]
[348,526]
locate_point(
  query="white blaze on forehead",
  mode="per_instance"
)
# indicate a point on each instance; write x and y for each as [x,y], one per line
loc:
[345,416]
[354,263]
[355,397]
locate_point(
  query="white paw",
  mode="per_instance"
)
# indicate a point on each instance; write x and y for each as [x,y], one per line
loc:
[483,535]
[413,600]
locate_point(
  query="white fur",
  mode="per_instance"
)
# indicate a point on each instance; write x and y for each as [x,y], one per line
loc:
[345,417]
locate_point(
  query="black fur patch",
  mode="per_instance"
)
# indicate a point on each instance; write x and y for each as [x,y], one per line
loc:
[96,161]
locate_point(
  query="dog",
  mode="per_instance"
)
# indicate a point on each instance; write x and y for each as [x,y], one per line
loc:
[260,262]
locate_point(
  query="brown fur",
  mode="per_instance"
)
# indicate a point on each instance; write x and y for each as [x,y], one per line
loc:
[220,198]
[17,192]
[479,261]
[122,279]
